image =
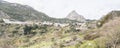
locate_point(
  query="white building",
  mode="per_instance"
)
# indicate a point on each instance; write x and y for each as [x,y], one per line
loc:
[46,23]
[61,25]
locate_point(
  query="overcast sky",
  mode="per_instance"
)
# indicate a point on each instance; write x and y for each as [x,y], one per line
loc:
[90,9]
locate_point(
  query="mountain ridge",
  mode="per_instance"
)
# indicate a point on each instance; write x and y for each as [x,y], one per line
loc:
[27,13]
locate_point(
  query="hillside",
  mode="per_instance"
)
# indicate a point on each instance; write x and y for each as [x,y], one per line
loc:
[107,35]
[110,16]
[111,31]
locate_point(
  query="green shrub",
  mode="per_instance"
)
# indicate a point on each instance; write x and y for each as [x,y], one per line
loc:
[89,44]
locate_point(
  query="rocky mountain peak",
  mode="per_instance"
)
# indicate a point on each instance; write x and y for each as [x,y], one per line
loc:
[75,16]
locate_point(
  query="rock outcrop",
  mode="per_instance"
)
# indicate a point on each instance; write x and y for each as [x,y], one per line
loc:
[75,16]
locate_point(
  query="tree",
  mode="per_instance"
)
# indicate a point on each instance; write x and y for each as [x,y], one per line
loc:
[27,29]
[114,39]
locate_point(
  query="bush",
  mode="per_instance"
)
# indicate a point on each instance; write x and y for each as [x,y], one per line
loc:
[27,29]
[91,36]
[114,39]
[89,44]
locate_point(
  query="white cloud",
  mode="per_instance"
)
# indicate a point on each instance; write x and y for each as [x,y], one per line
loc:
[92,9]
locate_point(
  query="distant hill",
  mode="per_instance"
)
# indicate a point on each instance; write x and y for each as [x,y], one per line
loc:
[20,12]
[75,16]
[26,13]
